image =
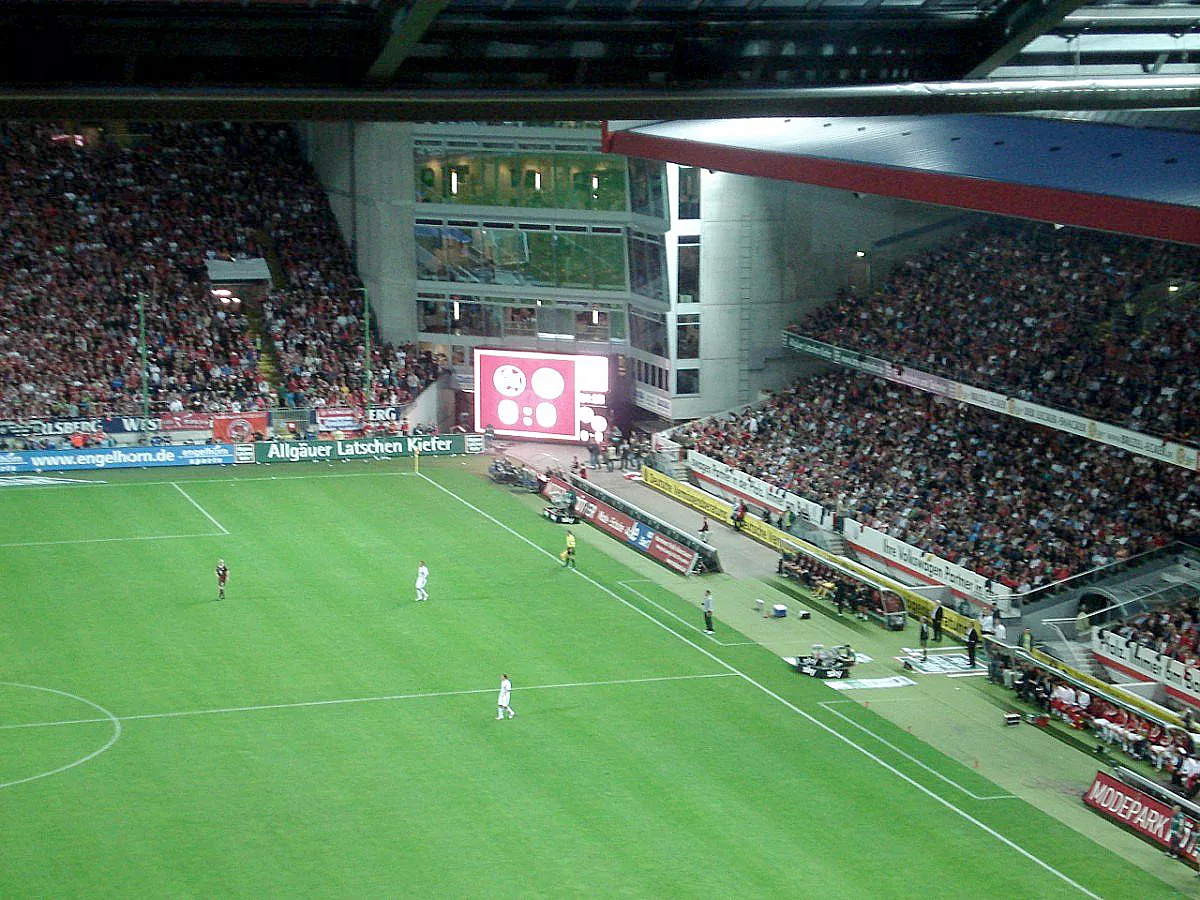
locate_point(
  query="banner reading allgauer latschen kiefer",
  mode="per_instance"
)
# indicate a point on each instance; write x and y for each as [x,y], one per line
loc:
[368,448]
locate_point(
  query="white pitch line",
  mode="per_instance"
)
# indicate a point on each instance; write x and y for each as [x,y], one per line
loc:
[108,717]
[150,537]
[938,798]
[929,769]
[243,479]
[680,619]
[349,700]
[206,513]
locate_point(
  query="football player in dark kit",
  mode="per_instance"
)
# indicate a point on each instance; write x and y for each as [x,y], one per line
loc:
[222,577]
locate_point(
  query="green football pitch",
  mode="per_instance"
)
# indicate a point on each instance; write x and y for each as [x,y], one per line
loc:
[319,733]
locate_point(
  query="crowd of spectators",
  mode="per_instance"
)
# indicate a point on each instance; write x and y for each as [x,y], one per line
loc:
[1018,503]
[1071,319]
[1172,630]
[99,236]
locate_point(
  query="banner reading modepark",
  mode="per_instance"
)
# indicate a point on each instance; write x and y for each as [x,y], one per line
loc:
[1126,439]
[367,448]
[1149,817]
[914,603]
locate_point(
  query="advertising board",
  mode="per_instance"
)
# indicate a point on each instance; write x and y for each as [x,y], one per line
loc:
[550,396]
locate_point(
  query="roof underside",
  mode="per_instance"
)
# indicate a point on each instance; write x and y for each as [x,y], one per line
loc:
[1130,180]
[601,58]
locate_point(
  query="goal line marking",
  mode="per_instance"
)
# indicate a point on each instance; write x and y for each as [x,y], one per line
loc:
[929,792]
[828,706]
[344,701]
[204,511]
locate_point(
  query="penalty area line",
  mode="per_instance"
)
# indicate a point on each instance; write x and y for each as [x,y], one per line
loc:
[345,701]
[203,511]
[929,792]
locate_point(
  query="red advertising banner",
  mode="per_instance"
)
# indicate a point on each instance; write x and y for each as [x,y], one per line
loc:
[339,418]
[672,554]
[185,421]
[641,536]
[239,428]
[1149,817]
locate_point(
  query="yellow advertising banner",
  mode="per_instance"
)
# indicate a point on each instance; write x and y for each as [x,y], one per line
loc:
[917,606]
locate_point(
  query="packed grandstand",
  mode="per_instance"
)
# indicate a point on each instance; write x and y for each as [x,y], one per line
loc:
[97,228]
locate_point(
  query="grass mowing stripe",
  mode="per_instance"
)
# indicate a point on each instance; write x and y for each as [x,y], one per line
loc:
[342,701]
[770,693]
[204,511]
[828,705]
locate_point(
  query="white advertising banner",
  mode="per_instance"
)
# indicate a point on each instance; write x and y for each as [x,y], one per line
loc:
[1114,435]
[924,565]
[776,499]
[1180,680]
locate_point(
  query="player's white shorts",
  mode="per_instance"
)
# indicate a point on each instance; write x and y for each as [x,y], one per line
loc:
[503,700]
[421,583]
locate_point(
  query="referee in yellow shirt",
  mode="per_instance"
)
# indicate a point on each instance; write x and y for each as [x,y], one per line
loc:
[568,555]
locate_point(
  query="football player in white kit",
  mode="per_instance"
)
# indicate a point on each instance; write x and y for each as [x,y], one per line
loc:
[422,580]
[502,706]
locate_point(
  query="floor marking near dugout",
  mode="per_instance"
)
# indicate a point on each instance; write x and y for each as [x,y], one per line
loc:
[828,704]
[938,798]
[205,512]
[680,619]
[344,701]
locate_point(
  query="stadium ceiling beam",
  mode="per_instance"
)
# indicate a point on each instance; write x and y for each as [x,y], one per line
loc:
[285,105]
[407,29]
[1016,39]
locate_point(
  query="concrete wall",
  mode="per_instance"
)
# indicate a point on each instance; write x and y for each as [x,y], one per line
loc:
[367,171]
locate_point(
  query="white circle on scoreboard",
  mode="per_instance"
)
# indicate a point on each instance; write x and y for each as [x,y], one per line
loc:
[599,424]
[509,380]
[548,384]
[547,415]
[586,413]
[508,412]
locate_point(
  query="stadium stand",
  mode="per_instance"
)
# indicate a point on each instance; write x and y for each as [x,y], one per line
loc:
[94,227]
[1076,320]
[1015,502]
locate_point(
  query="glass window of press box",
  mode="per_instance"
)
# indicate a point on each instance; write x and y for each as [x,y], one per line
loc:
[687,337]
[688,257]
[650,374]
[689,193]
[648,265]
[648,188]
[594,181]
[649,333]
[687,381]
[568,256]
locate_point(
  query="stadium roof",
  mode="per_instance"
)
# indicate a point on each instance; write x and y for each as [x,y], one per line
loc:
[588,59]
[1130,180]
